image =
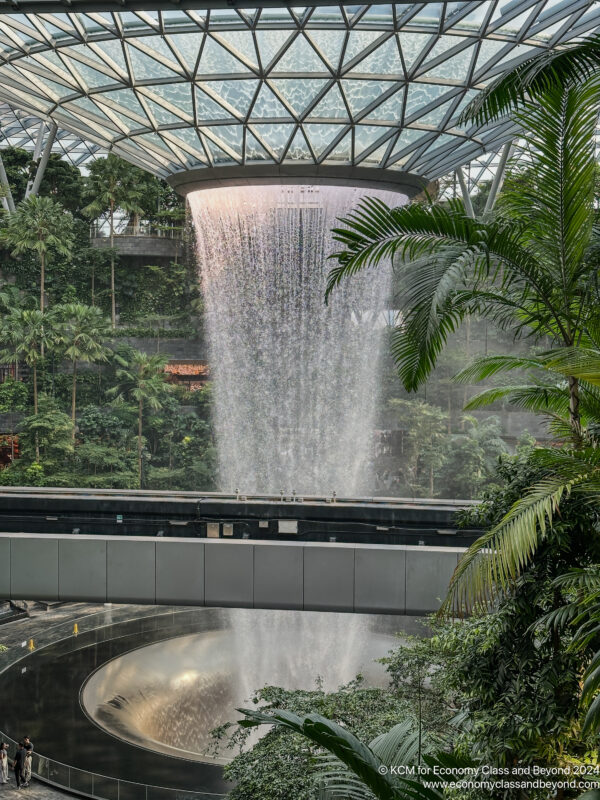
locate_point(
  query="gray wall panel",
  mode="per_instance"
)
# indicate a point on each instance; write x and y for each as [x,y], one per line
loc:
[180,572]
[228,574]
[329,578]
[428,574]
[4,567]
[82,569]
[379,581]
[278,576]
[131,571]
[34,568]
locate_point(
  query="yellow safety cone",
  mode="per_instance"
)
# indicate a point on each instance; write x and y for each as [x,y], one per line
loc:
[31,645]
[75,629]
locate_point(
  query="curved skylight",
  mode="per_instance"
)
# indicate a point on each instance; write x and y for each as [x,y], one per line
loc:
[377,86]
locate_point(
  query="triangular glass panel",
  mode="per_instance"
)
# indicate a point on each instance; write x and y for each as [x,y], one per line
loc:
[231,135]
[299,57]
[85,104]
[331,106]
[254,150]
[455,68]
[268,105]
[112,49]
[177,94]
[444,140]
[207,108]
[91,77]
[329,43]
[321,136]
[488,51]
[474,20]
[407,139]
[359,41]
[298,93]
[298,150]
[126,122]
[146,68]
[162,50]
[385,60]
[509,27]
[342,151]
[412,45]
[270,42]
[155,140]
[160,114]
[218,155]
[435,116]
[58,89]
[241,42]
[216,60]
[275,136]
[236,93]
[443,45]
[188,139]
[377,156]
[361,94]
[188,47]
[420,95]
[127,100]
[519,53]
[390,110]
[465,100]
[378,15]
[365,136]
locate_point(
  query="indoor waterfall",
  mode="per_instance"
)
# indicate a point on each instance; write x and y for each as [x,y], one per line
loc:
[296,381]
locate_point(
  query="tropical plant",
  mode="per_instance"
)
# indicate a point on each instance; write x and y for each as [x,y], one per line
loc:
[113,184]
[531,268]
[24,334]
[83,331]
[141,378]
[40,224]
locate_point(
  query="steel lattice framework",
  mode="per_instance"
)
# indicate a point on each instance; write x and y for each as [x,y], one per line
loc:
[377,86]
[21,129]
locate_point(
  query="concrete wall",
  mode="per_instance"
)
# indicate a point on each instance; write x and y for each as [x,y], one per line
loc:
[243,574]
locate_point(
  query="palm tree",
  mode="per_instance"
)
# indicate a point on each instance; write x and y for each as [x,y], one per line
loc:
[39,224]
[113,184]
[83,331]
[141,379]
[24,335]
[530,268]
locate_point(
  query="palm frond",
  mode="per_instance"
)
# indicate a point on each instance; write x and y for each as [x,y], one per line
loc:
[532,78]
[488,366]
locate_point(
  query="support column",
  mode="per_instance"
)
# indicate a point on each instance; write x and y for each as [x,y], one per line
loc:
[7,201]
[465,193]
[44,160]
[498,177]
[37,152]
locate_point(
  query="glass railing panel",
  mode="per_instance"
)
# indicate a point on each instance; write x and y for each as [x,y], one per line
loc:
[81,781]
[106,788]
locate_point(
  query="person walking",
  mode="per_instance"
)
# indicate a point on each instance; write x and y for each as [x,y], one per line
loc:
[28,762]
[19,764]
[3,762]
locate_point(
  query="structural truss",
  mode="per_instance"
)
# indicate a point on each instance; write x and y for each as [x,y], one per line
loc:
[377,86]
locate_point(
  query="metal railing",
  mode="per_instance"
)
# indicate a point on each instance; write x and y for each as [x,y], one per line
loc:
[145,229]
[81,781]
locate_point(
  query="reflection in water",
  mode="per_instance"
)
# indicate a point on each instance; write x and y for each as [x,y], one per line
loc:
[168,696]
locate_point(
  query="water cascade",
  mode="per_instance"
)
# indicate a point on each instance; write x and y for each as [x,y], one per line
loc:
[296,381]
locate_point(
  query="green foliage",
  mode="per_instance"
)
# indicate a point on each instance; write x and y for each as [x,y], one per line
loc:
[14,396]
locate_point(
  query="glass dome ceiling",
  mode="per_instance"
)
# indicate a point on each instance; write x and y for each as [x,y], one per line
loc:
[377,86]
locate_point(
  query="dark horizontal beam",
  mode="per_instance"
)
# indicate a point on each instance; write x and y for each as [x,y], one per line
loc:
[58,6]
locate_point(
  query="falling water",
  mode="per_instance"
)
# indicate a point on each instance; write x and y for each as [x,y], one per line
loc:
[296,381]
